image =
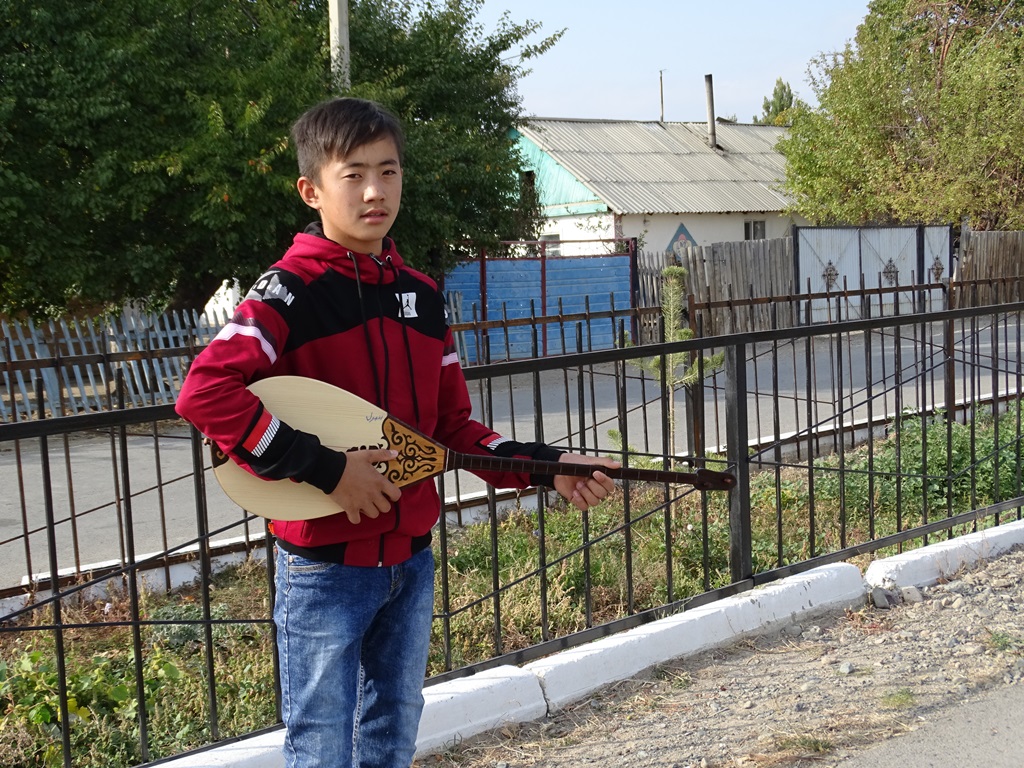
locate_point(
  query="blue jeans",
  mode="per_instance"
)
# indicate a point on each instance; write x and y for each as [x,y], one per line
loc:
[353,644]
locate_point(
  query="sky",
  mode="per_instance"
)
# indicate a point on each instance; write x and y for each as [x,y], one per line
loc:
[608,61]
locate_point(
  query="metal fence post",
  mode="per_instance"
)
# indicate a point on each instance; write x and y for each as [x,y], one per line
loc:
[736,429]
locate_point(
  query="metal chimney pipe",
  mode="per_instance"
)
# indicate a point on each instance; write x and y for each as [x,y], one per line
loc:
[661,88]
[712,141]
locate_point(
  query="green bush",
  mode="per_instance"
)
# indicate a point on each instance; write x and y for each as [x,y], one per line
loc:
[103,701]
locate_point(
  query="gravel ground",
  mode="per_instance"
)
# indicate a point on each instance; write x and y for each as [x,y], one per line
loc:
[809,695]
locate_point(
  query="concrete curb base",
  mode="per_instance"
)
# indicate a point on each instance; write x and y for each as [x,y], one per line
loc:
[574,673]
[471,705]
[462,708]
[926,566]
[263,751]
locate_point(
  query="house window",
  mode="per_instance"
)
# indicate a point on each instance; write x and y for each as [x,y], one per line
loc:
[552,245]
[754,230]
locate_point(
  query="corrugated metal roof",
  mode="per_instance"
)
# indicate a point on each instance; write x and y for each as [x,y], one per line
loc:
[652,167]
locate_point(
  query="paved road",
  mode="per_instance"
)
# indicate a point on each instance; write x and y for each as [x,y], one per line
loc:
[163,495]
[984,732]
[91,526]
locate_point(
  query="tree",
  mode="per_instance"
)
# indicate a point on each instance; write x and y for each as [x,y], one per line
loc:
[138,144]
[778,109]
[144,149]
[455,89]
[681,368]
[919,120]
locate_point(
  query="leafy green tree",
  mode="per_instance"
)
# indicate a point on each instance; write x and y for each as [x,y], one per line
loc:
[455,89]
[920,119]
[144,150]
[138,140]
[778,109]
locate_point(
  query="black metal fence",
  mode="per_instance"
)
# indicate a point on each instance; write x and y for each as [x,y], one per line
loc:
[135,623]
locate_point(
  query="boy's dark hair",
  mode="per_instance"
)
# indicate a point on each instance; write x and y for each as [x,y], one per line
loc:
[337,127]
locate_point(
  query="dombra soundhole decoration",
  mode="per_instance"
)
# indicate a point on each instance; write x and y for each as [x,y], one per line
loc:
[343,420]
[417,460]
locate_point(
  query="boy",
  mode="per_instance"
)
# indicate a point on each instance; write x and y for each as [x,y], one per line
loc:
[355,590]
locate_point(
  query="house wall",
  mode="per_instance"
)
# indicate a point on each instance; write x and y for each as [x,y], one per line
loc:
[665,231]
[671,232]
[585,227]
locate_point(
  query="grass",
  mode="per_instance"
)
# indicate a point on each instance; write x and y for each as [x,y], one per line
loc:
[675,679]
[606,590]
[101,677]
[904,698]
[1005,642]
[807,743]
[175,658]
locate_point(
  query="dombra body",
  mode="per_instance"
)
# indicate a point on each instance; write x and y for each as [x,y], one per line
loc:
[344,421]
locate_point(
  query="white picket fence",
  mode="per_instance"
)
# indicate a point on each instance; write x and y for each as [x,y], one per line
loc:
[86,365]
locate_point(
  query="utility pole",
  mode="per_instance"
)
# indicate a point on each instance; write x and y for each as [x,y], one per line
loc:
[338,10]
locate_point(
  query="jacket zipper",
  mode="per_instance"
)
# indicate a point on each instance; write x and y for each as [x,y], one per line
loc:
[384,393]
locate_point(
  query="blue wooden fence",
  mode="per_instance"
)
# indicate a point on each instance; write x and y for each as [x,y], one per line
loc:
[513,288]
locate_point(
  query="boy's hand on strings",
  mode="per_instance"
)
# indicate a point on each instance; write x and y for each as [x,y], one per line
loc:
[585,492]
[362,489]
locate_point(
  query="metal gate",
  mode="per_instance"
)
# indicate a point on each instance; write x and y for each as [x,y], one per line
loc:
[829,260]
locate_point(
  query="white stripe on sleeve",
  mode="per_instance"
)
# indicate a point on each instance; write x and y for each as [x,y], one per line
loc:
[237,329]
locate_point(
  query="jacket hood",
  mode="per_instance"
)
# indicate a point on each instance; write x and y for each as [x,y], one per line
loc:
[312,245]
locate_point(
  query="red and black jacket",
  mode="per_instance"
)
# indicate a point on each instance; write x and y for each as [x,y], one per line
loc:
[370,325]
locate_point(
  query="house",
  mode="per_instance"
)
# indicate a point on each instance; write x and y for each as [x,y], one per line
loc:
[669,184]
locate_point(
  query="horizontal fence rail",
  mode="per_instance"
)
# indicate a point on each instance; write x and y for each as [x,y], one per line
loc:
[137,613]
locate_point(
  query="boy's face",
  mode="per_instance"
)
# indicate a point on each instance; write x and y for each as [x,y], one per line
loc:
[358,196]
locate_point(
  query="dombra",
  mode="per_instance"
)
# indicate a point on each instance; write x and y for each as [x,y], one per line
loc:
[344,421]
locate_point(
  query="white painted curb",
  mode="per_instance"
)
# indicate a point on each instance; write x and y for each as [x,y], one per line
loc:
[926,566]
[470,705]
[574,673]
[462,708]
[263,751]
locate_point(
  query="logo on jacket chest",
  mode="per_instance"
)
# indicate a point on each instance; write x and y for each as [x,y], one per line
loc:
[407,302]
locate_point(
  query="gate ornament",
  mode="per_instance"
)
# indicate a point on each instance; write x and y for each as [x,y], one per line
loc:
[937,269]
[891,272]
[830,276]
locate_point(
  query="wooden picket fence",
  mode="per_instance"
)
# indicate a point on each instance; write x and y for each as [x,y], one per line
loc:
[649,268]
[990,269]
[734,286]
[89,365]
